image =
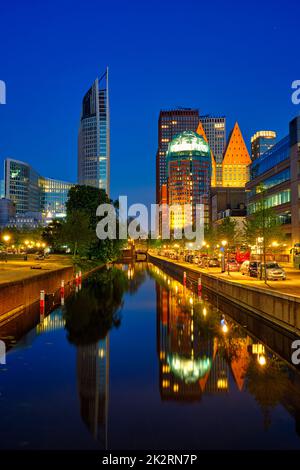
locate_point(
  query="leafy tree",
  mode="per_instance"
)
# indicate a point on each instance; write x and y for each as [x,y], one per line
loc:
[227,230]
[263,224]
[77,233]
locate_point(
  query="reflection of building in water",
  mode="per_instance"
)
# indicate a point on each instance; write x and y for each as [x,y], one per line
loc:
[93,382]
[53,322]
[185,356]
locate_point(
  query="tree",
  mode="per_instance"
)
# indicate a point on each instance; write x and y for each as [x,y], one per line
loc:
[52,234]
[262,226]
[227,230]
[77,233]
[82,205]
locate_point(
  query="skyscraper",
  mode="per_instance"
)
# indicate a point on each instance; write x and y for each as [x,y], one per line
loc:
[189,171]
[94,136]
[262,141]
[170,123]
[215,131]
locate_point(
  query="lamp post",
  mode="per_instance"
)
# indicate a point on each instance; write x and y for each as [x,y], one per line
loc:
[223,243]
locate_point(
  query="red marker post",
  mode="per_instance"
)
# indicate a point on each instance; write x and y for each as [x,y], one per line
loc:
[62,292]
[199,287]
[42,302]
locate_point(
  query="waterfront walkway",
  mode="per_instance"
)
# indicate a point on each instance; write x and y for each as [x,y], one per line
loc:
[290,286]
[16,270]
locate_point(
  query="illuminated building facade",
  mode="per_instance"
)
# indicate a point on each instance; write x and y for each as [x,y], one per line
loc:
[189,170]
[22,186]
[34,196]
[54,195]
[171,123]
[277,170]
[262,141]
[94,136]
[236,161]
[215,130]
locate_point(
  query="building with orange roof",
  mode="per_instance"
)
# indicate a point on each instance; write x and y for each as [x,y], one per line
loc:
[236,161]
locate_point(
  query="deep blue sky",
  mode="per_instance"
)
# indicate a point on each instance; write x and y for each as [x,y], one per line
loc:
[226,57]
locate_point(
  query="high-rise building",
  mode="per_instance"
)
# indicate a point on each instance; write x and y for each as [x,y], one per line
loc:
[2,188]
[277,170]
[34,194]
[215,130]
[200,130]
[262,141]
[236,161]
[189,171]
[94,136]
[171,123]
[7,210]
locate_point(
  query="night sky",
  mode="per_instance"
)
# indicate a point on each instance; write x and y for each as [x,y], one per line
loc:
[224,57]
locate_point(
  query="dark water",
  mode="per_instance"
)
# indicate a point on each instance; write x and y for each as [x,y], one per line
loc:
[135,361]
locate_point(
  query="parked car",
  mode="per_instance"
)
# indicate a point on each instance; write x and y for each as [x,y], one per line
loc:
[249,268]
[232,265]
[214,263]
[274,272]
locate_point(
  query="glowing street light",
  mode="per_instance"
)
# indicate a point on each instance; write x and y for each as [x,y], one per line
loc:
[6,238]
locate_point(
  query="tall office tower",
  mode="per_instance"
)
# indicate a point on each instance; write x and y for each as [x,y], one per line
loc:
[262,141]
[189,171]
[94,136]
[2,188]
[215,130]
[93,385]
[170,123]
[236,161]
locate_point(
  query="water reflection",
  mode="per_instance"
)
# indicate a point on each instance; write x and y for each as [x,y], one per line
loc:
[198,356]
[206,351]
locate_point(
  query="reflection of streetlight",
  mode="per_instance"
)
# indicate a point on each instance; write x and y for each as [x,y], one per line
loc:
[261,359]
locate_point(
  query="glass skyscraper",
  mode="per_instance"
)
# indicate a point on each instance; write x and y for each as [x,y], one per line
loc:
[94,136]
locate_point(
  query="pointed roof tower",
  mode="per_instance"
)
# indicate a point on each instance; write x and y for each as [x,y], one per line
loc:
[200,130]
[236,151]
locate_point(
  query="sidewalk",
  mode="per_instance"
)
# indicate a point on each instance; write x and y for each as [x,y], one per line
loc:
[291,286]
[16,270]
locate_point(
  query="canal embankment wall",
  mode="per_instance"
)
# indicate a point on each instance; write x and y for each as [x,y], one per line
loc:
[279,308]
[16,295]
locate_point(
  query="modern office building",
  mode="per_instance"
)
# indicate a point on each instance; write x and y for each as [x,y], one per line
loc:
[54,195]
[215,130]
[171,123]
[7,210]
[34,196]
[262,141]
[2,188]
[189,170]
[94,136]
[236,161]
[22,186]
[278,171]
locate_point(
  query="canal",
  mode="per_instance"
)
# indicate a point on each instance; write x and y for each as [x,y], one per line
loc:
[134,360]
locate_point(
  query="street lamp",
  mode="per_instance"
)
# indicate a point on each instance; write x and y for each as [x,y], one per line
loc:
[6,238]
[223,243]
